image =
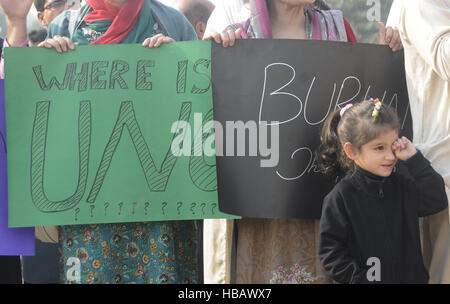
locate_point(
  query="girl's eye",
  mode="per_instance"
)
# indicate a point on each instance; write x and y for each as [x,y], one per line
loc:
[380,148]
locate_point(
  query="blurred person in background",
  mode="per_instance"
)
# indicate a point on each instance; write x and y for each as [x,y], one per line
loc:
[37,36]
[47,10]
[197,12]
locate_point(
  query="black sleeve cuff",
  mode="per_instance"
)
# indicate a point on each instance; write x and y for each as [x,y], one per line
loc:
[417,163]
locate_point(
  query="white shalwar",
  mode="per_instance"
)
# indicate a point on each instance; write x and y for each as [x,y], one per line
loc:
[424,28]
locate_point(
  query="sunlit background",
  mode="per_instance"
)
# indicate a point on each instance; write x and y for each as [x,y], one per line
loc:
[362,15]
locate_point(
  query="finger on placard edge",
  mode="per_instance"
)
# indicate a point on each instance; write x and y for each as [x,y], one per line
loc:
[382,30]
[395,41]
[214,36]
[55,45]
[162,41]
[231,35]
[239,33]
[69,43]
[399,45]
[225,39]
[152,42]
[62,43]
[158,42]
[389,34]
[146,42]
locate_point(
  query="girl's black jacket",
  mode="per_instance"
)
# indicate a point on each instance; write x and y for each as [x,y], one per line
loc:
[366,216]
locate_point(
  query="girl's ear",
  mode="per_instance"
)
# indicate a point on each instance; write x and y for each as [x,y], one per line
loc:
[350,151]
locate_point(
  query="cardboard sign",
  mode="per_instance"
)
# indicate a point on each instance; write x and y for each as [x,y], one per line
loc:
[293,85]
[13,241]
[92,132]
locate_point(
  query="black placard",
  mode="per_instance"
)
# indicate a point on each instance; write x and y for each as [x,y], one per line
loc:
[298,83]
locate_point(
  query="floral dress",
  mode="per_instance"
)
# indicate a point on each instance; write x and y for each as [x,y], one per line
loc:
[143,253]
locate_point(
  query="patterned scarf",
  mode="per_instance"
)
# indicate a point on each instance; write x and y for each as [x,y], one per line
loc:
[320,24]
[106,24]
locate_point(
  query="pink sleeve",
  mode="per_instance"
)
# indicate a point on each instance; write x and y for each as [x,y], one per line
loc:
[2,61]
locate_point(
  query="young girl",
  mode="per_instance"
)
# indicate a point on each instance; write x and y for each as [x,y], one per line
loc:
[369,230]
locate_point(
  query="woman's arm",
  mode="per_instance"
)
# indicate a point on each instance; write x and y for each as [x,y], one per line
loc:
[425,25]
[16,18]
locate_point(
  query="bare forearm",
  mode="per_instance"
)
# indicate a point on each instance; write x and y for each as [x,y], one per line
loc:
[17,31]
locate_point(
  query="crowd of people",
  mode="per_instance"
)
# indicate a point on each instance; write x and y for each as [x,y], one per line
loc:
[332,249]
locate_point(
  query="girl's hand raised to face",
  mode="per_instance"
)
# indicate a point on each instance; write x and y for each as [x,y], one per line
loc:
[403,148]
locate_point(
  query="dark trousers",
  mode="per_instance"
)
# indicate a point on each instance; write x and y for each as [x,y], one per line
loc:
[10,270]
[43,268]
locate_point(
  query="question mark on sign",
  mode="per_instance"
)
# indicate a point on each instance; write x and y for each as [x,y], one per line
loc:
[214,206]
[134,207]
[192,207]
[203,208]
[120,208]
[179,206]
[106,207]
[76,213]
[164,204]
[146,207]
[92,208]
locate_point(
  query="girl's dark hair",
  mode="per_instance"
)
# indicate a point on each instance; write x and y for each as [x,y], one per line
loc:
[356,126]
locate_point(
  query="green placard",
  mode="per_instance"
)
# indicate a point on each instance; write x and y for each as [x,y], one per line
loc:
[89,134]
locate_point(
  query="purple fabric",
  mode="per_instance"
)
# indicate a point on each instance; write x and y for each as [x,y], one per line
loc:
[331,35]
[316,34]
[13,241]
[322,25]
[244,30]
[264,20]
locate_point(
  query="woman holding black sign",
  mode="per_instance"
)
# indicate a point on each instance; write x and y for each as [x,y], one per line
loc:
[276,250]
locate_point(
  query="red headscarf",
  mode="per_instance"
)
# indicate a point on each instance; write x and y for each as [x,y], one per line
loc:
[124,18]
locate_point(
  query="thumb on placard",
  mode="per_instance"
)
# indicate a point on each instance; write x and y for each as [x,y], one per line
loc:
[239,33]
[382,33]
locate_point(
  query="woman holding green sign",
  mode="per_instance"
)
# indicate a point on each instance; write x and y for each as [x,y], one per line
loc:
[151,252]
